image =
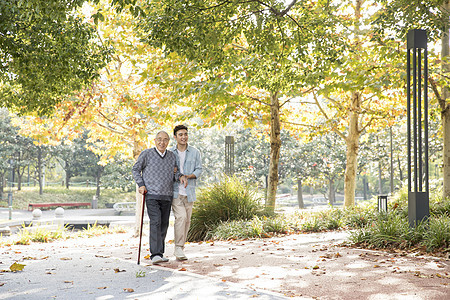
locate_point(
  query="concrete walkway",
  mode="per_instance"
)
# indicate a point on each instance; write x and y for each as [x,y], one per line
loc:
[300,266]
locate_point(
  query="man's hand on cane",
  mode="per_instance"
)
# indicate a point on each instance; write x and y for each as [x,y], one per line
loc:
[142,190]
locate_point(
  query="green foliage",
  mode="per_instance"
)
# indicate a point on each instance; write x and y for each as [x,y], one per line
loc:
[388,230]
[357,217]
[257,227]
[438,232]
[47,53]
[227,200]
[40,235]
[312,224]
[140,274]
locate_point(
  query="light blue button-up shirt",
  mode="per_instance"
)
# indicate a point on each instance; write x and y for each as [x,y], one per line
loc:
[192,165]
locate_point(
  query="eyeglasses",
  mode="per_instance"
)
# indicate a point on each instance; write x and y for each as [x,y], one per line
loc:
[160,140]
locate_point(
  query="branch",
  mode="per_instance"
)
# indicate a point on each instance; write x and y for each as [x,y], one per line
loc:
[369,123]
[305,92]
[320,107]
[257,100]
[442,103]
[108,128]
[298,124]
[276,12]
[335,103]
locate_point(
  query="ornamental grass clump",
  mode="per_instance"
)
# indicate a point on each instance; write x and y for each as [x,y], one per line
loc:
[227,200]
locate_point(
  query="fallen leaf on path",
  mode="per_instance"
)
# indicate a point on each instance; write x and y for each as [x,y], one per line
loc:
[2,283]
[147,256]
[65,258]
[217,265]
[118,270]
[376,266]
[102,287]
[103,256]
[15,267]
[68,281]
[315,267]
[182,269]
[129,290]
[337,255]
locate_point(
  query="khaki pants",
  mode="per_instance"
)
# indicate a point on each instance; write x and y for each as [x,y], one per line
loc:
[182,210]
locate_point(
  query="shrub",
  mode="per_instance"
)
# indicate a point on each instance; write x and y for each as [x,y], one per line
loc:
[387,230]
[227,200]
[438,233]
[312,224]
[356,217]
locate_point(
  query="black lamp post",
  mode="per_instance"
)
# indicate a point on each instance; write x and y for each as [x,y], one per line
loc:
[229,155]
[417,105]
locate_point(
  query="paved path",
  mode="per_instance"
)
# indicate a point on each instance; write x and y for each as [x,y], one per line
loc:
[302,266]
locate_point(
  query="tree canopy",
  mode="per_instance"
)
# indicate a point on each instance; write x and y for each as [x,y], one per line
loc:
[47,53]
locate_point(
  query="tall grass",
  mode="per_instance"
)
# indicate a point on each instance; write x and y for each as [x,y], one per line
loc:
[227,200]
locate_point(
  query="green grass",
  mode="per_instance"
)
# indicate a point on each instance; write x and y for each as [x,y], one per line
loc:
[27,195]
[227,200]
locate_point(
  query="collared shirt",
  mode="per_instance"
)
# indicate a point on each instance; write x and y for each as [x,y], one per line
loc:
[162,154]
[192,165]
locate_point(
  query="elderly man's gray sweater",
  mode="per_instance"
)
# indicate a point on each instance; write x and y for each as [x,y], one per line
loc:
[156,173]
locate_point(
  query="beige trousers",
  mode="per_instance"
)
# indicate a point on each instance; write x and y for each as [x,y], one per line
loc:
[182,210]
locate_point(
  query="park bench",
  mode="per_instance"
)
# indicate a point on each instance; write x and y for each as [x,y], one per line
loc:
[120,207]
[32,206]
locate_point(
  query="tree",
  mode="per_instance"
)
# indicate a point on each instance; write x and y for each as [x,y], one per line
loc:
[7,136]
[74,157]
[251,58]
[47,54]
[354,98]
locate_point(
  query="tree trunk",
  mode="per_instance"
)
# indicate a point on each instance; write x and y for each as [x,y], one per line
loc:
[331,191]
[99,174]
[68,174]
[2,184]
[400,172]
[275,146]
[445,110]
[19,180]
[301,204]
[365,187]
[380,184]
[352,142]
[40,179]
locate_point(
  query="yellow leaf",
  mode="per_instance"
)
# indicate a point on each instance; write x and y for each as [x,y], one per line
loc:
[15,267]
[118,270]
[129,290]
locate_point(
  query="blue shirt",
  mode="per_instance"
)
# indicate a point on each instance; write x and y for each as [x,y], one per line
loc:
[192,165]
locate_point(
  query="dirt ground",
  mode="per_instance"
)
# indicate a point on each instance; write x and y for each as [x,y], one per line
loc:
[316,266]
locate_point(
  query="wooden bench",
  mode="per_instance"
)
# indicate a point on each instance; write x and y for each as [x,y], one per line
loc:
[31,206]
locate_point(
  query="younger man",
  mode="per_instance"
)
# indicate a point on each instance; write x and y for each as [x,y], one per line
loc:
[184,196]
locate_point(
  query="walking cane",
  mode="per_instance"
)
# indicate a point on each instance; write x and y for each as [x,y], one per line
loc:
[140,231]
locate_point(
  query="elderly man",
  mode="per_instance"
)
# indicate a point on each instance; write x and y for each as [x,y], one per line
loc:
[155,172]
